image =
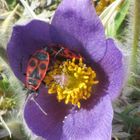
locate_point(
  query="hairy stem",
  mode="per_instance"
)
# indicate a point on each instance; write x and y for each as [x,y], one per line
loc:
[136,33]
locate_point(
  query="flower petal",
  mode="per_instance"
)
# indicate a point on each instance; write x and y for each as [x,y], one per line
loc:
[78,19]
[47,126]
[112,63]
[24,41]
[55,126]
[90,124]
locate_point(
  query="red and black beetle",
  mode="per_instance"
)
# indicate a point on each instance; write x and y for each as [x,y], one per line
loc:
[36,69]
[38,64]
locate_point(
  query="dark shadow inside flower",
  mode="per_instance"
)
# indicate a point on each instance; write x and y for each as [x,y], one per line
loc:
[99,90]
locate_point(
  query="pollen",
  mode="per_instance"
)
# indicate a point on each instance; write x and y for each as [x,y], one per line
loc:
[71,81]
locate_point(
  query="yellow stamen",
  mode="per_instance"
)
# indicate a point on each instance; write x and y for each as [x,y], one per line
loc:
[72,81]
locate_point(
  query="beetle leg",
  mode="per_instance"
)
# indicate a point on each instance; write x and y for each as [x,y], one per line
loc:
[37,104]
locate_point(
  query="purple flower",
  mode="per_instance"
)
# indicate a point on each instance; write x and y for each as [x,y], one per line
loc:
[75,25]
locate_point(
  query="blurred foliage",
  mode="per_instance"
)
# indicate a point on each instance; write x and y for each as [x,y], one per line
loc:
[115,24]
[11,3]
[114,15]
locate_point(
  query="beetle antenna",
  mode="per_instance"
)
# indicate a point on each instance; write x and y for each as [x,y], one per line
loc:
[59,52]
[39,106]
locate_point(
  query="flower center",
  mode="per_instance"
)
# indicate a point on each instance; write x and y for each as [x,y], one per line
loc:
[71,80]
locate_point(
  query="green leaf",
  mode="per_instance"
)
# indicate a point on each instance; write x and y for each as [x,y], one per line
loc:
[119,17]
[122,14]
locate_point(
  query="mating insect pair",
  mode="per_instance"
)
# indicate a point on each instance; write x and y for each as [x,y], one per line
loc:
[38,66]
[39,62]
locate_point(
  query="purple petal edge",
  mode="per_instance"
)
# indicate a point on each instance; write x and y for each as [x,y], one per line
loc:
[113,65]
